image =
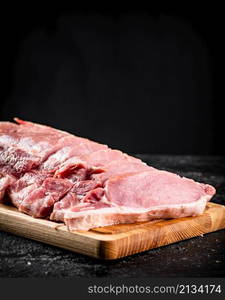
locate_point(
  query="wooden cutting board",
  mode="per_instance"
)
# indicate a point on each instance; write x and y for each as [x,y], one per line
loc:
[113,242]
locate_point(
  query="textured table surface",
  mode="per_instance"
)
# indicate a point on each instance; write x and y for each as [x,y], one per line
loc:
[198,257]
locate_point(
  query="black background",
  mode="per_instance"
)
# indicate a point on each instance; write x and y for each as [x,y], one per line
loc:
[143,81]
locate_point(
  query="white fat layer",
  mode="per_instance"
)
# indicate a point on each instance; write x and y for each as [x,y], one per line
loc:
[195,207]
[111,216]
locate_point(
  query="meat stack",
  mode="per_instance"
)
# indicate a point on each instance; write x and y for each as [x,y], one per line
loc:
[48,173]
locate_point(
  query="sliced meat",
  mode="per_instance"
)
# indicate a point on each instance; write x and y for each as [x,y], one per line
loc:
[14,161]
[5,182]
[106,156]
[39,203]
[153,189]
[32,142]
[29,146]
[118,168]
[96,162]
[88,184]
[73,169]
[83,187]
[69,151]
[21,189]
[43,141]
[78,145]
[60,146]
[81,191]
[63,205]
[35,193]
[139,197]
[75,196]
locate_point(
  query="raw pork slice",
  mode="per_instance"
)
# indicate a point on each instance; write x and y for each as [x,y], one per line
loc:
[39,203]
[106,156]
[141,197]
[22,188]
[69,150]
[50,145]
[35,193]
[61,146]
[35,143]
[118,168]
[98,179]
[77,194]
[5,182]
[100,162]
[28,147]
[14,161]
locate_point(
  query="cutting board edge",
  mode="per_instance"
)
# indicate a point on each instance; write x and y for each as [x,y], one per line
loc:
[203,224]
[106,252]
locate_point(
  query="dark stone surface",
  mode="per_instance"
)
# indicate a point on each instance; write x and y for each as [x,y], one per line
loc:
[198,257]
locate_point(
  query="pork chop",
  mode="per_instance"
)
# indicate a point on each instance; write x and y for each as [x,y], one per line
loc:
[141,196]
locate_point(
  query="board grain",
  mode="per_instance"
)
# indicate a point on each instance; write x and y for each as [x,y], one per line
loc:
[113,242]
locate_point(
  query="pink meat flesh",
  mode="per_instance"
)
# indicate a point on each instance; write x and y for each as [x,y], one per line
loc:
[116,167]
[48,172]
[14,161]
[23,187]
[80,192]
[67,150]
[141,196]
[39,203]
[51,146]
[5,182]
[29,146]
[106,156]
